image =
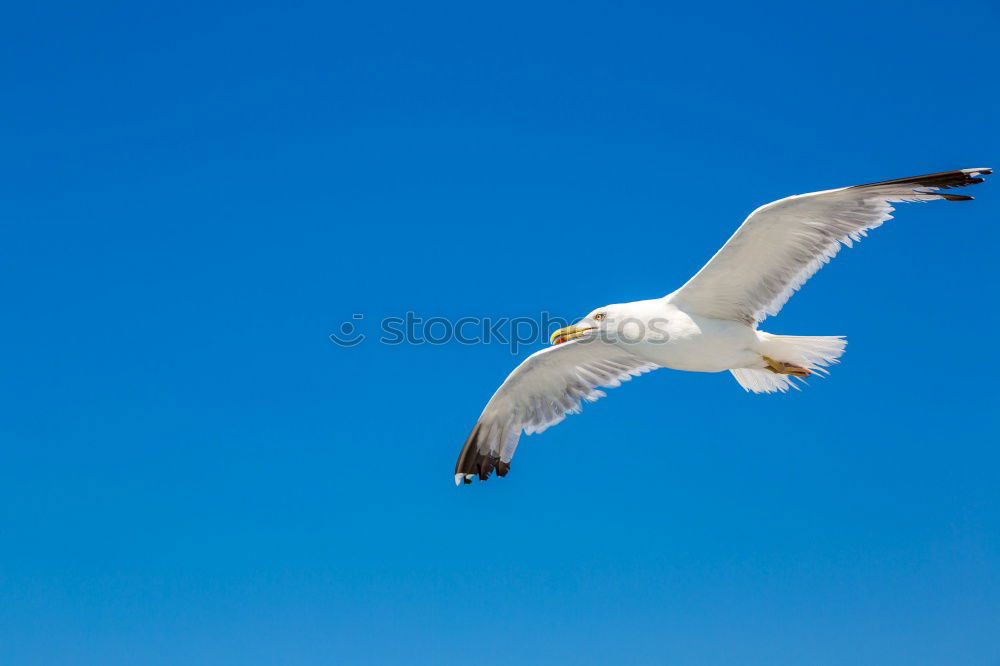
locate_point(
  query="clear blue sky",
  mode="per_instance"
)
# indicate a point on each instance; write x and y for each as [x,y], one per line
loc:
[196,195]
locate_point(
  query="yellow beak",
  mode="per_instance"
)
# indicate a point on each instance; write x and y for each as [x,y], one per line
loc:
[569,333]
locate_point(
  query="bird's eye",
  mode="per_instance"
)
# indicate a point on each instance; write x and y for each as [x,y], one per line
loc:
[599,316]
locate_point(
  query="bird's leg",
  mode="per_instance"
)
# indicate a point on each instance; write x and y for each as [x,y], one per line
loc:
[782,368]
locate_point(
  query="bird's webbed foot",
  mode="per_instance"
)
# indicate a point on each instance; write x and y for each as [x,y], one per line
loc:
[782,368]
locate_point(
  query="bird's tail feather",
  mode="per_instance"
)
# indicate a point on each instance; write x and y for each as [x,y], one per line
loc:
[812,352]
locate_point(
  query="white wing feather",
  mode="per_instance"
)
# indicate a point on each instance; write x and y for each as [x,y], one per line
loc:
[541,392]
[783,243]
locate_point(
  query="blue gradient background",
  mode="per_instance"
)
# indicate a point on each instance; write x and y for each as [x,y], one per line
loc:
[196,195]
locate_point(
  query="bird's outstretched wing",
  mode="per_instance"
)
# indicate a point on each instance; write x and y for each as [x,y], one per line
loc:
[781,244]
[540,392]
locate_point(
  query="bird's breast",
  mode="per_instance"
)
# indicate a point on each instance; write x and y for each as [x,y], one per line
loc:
[684,342]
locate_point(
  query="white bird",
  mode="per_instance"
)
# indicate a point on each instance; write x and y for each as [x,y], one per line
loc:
[708,325]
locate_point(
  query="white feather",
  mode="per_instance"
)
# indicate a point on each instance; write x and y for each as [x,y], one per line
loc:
[783,243]
[549,385]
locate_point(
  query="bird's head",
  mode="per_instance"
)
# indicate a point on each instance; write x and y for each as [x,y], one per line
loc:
[599,321]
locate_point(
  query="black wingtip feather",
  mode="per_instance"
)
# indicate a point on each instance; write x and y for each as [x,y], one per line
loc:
[472,462]
[942,180]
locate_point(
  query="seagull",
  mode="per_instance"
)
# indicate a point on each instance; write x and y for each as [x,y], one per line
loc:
[708,325]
